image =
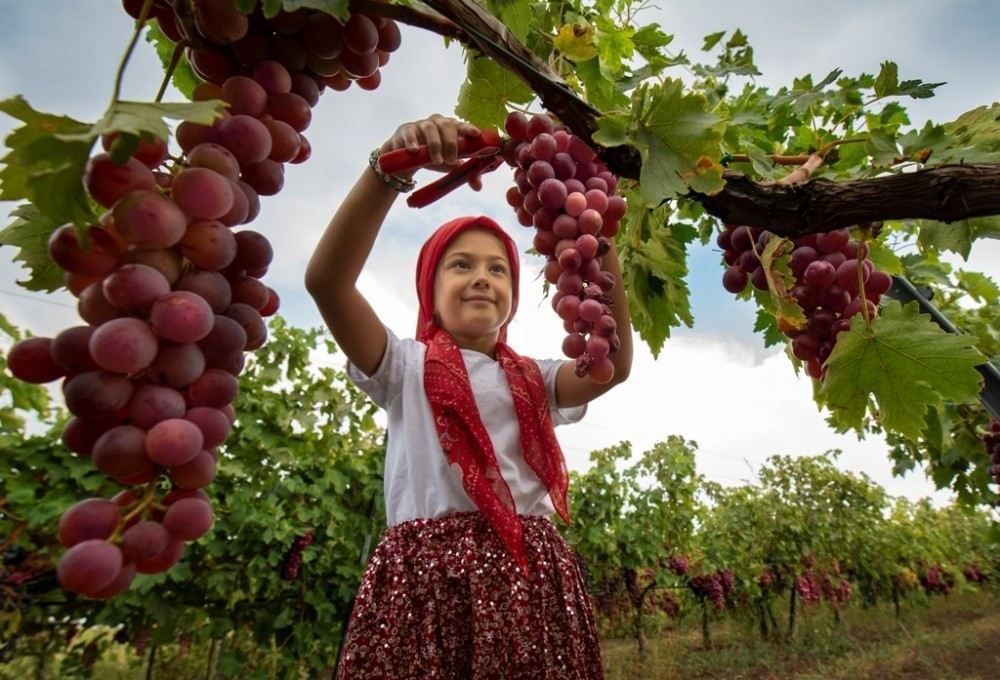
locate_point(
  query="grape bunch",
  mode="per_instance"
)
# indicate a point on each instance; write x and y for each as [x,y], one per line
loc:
[830,270]
[293,559]
[679,564]
[715,587]
[315,48]
[566,193]
[170,288]
[937,580]
[991,441]
[809,588]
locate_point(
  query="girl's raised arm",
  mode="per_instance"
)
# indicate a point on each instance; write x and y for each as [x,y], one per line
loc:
[332,274]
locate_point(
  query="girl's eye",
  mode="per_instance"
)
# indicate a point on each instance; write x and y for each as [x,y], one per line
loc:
[499,268]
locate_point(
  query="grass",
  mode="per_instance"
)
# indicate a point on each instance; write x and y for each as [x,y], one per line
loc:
[951,638]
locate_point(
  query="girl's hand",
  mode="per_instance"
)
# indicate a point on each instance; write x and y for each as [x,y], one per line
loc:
[440,134]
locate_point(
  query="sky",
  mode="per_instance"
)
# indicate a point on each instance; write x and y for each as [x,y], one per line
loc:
[714,384]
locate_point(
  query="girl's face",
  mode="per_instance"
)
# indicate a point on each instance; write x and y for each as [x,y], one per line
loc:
[472,289]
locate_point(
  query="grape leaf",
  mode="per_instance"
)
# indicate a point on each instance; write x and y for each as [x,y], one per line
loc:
[679,141]
[711,40]
[337,8]
[883,258]
[887,84]
[30,232]
[958,236]
[979,127]
[601,92]
[614,47]
[768,325]
[979,286]
[575,47]
[46,160]
[514,14]
[148,117]
[654,275]
[183,76]
[906,362]
[484,95]
[780,281]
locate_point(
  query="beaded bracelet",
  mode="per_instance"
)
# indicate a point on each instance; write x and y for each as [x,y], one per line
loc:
[398,183]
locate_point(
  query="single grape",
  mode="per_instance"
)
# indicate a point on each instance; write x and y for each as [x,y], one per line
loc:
[89,567]
[93,518]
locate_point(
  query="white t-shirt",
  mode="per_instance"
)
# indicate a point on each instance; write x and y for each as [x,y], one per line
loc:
[419,483]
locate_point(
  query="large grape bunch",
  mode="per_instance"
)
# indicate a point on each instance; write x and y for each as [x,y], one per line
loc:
[991,441]
[568,195]
[831,270]
[170,288]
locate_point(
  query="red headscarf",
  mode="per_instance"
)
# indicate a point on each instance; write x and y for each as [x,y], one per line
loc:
[464,439]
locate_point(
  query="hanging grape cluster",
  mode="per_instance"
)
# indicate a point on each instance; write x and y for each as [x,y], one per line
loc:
[293,559]
[567,194]
[714,587]
[830,270]
[170,290]
[991,441]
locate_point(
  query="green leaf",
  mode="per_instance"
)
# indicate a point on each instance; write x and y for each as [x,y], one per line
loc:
[906,362]
[514,14]
[679,141]
[979,127]
[573,46]
[711,40]
[46,161]
[655,274]
[487,89]
[601,91]
[30,232]
[183,77]
[883,258]
[887,80]
[612,130]
[887,84]
[979,286]
[957,237]
[338,8]
[148,117]
[614,47]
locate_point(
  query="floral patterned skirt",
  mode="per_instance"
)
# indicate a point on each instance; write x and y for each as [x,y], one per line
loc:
[441,598]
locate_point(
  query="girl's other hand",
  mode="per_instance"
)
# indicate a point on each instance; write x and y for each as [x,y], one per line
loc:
[440,134]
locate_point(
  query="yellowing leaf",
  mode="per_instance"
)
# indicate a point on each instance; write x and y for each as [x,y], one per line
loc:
[906,363]
[576,42]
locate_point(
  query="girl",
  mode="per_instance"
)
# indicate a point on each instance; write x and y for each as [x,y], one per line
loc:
[471,579]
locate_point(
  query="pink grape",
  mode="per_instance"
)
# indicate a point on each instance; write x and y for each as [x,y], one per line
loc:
[819,274]
[149,219]
[202,193]
[125,345]
[170,556]
[552,194]
[176,365]
[93,518]
[215,388]
[195,474]
[120,452]
[107,181]
[152,403]
[575,204]
[31,360]
[173,442]
[133,288]
[89,567]
[144,541]
[212,422]
[188,519]
[590,310]
[539,172]
[574,345]
[96,393]
[590,221]
[832,241]
[182,317]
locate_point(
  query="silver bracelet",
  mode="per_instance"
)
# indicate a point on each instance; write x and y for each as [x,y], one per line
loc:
[397,183]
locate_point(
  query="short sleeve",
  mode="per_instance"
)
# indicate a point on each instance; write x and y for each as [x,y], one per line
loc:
[386,383]
[560,416]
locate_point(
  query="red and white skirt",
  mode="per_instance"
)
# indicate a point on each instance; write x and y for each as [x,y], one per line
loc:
[441,598]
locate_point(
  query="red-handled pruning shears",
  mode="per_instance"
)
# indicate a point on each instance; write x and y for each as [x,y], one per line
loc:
[482,151]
